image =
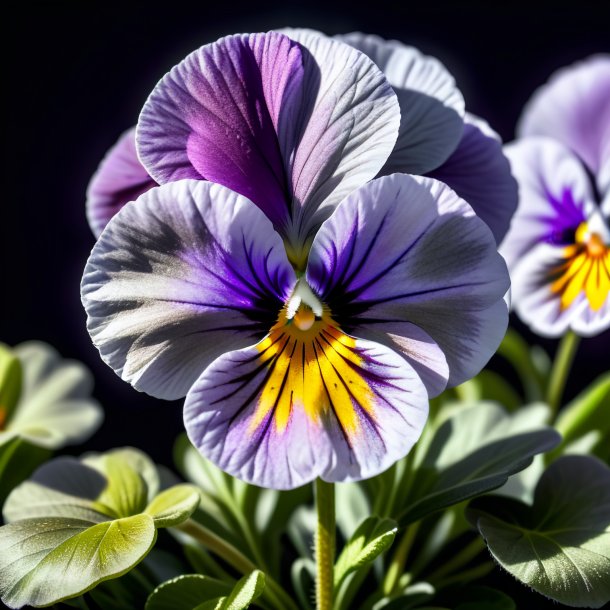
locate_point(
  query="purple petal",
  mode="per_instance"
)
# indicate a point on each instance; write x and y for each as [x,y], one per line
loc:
[188,271]
[305,404]
[349,120]
[554,196]
[214,116]
[479,172]
[407,249]
[431,106]
[539,298]
[574,108]
[119,178]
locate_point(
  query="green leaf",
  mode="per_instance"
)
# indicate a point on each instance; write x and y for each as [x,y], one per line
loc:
[472,452]
[43,561]
[495,387]
[371,538]
[484,598]
[174,505]
[187,592]
[587,413]
[560,546]
[11,377]
[412,597]
[246,590]
[353,507]
[303,580]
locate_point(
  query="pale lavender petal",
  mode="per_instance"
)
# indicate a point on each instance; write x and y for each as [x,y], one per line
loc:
[339,133]
[274,416]
[479,172]
[185,273]
[540,305]
[574,108]
[554,196]
[119,178]
[431,106]
[215,114]
[408,249]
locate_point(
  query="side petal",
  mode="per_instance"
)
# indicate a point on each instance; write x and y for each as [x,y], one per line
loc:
[214,116]
[348,120]
[554,196]
[553,292]
[285,411]
[574,108]
[119,178]
[188,271]
[431,106]
[479,172]
[408,249]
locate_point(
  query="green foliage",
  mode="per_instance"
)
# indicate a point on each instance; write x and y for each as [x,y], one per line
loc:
[11,377]
[77,523]
[560,546]
[197,592]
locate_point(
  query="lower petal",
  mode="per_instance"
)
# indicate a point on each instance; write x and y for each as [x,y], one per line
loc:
[299,405]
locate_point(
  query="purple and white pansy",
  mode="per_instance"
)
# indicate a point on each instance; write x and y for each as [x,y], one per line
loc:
[558,247]
[306,309]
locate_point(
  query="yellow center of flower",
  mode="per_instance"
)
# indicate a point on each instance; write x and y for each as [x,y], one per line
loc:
[585,268]
[311,365]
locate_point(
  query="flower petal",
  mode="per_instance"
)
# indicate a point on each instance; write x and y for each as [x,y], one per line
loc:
[553,293]
[119,178]
[215,114]
[188,271]
[408,249]
[431,106]
[554,196]
[347,129]
[574,108]
[292,408]
[479,172]
[55,407]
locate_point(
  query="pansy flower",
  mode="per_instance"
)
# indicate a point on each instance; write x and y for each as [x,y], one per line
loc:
[436,138]
[306,311]
[558,247]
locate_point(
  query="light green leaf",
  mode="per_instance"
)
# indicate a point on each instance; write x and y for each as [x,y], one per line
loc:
[371,538]
[43,561]
[560,546]
[474,451]
[55,407]
[10,382]
[353,507]
[174,505]
[187,592]
[586,414]
[246,590]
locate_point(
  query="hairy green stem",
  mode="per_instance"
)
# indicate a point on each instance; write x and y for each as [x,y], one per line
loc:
[561,368]
[325,544]
[273,591]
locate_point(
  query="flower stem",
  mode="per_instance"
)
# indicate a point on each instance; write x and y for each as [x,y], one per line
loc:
[273,591]
[325,544]
[561,368]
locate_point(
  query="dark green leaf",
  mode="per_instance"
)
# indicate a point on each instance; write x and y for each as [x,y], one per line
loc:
[474,451]
[186,592]
[560,546]
[484,598]
[11,377]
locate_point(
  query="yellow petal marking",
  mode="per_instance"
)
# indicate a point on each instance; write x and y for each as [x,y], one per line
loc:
[311,365]
[585,268]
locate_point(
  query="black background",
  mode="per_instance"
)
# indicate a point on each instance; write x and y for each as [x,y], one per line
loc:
[75,76]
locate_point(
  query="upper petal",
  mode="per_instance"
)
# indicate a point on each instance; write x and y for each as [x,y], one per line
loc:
[119,178]
[188,271]
[554,196]
[431,106]
[408,249]
[348,119]
[479,172]
[215,114]
[299,405]
[574,108]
